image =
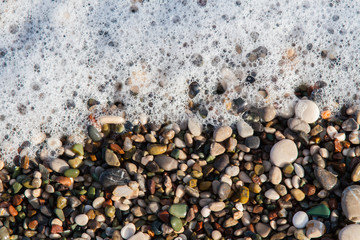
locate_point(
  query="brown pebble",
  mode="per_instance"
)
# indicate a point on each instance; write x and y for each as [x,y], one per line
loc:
[25,162]
[164,216]
[64,181]
[13,211]
[56,229]
[258,209]
[116,148]
[33,224]
[333,204]
[17,200]
[309,189]
[251,228]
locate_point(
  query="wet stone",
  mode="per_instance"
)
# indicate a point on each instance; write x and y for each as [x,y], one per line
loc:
[94,133]
[221,162]
[111,158]
[350,125]
[320,211]
[165,162]
[114,177]
[224,190]
[252,142]
[178,210]
[176,223]
[327,180]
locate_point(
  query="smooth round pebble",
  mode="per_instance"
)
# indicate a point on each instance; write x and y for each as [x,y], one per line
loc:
[300,219]
[283,153]
[307,111]
[350,232]
[128,231]
[350,203]
[81,219]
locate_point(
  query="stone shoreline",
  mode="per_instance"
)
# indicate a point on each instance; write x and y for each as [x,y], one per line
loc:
[268,177]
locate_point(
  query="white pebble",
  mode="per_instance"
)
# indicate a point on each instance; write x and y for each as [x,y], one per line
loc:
[300,219]
[128,231]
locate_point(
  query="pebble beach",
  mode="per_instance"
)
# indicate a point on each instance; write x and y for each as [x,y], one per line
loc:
[265,177]
[179,120]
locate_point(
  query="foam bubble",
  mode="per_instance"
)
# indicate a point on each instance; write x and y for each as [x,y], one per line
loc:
[56,55]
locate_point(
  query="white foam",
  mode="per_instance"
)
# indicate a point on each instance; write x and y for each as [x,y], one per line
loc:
[60,53]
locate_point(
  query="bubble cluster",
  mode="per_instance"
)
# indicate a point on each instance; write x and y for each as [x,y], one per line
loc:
[163,59]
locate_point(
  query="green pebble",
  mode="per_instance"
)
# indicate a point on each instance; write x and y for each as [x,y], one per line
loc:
[61,202]
[82,192]
[178,210]
[60,214]
[78,149]
[22,215]
[110,211]
[91,192]
[176,223]
[16,187]
[175,153]
[72,173]
[94,133]
[75,162]
[320,211]
[17,171]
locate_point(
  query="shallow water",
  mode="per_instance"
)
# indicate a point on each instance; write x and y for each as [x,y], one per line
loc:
[56,55]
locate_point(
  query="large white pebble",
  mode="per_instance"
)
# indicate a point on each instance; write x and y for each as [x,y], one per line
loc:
[81,219]
[300,219]
[307,111]
[128,231]
[283,153]
[350,232]
[350,203]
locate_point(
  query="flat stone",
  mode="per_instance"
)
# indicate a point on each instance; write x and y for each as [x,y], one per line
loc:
[122,191]
[262,229]
[350,125]
[244,129]
[350,203]
[315,229]
[327,180]
[224,191]
[216,206]
[221,162]
[194,126]
[128,231]
[252,142]
[157,149]
[114,177]
[307,111]
[320,211]
[298,125]
[230,222]
[74,173]
[216,149]
[165,162]
[272,194]
[222,133]
[300,219]
[58,165]
[178,210]
[98,202]
[350,232]
[283,153]
[111,158]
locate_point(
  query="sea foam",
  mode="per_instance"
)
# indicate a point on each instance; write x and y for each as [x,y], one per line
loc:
[142,57]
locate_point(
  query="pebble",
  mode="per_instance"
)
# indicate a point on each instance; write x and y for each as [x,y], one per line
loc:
[94,133]
[194,126]
[222,133]
[232,171]
[252,142]
[350,232]
[350,125]
[350,203]
[157,149]
[275,175]
[298,125]
[355,175]
[176,223]
[216,206]
[244,129]
[268,113]
[272,194]
[178,210]
[354,137]
[224,190]
[111,120]
[216,149]
[315,229]
[128,231]
[165,162]
[300,219]
[262,229]
[327,180]
[216,235]
[298,194]
[81,219]
[283,153]
[122,191]
[59,165]
[114,177]
[140,236]
[221,162]
[307,111]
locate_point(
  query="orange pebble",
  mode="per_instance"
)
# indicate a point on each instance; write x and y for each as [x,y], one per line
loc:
[64,181]
[338,147]
[13,211]
[325,114]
